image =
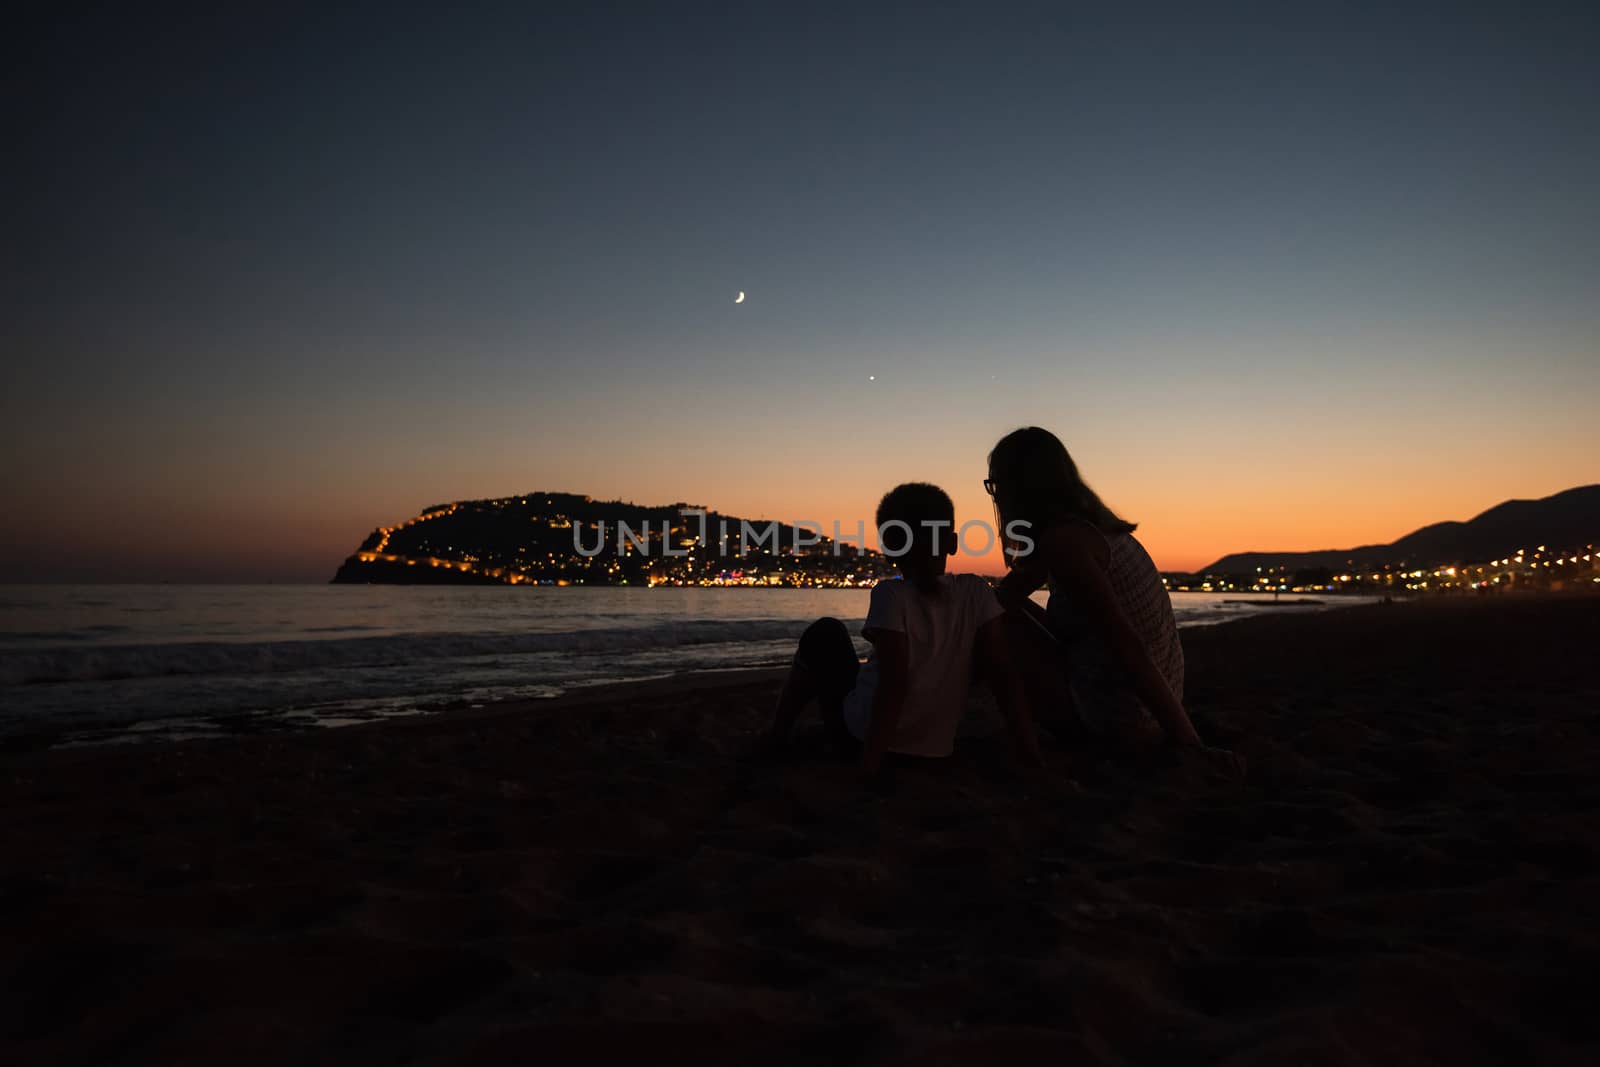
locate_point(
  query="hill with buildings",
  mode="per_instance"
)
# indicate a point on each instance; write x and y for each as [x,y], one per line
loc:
[1562,525]
[549,538]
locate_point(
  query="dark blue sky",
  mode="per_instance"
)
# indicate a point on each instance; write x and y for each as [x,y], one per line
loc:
[281,277]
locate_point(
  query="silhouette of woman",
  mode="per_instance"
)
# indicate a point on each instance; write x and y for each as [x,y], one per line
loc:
[1112,652]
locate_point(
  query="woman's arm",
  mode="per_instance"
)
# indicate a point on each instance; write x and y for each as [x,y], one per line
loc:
[1016,589]
[1070,552]
[1026,575]
[894,675]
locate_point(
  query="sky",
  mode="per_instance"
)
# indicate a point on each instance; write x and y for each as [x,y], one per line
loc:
[1280,279]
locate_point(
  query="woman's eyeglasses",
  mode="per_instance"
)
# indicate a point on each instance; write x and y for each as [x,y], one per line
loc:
[988,486]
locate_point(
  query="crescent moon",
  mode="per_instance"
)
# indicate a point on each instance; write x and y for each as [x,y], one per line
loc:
[740,298]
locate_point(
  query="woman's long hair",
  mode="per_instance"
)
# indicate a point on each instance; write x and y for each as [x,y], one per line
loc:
[1036,481]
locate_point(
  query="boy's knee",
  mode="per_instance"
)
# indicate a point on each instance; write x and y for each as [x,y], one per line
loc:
[826,632]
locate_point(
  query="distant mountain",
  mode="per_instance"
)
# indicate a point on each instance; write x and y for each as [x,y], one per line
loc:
[1566,520]
[548,538]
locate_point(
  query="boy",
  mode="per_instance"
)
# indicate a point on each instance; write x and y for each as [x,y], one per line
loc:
[925,630]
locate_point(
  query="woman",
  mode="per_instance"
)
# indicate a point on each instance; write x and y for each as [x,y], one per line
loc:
[1109,614]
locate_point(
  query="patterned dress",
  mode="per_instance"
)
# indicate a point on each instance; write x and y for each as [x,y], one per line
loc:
[1099,685]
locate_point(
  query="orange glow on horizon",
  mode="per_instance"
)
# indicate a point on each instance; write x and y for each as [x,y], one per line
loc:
[1197,492]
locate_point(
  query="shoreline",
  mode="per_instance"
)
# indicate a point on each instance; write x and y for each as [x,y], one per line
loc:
[246,726]
[209,728]
[202,729]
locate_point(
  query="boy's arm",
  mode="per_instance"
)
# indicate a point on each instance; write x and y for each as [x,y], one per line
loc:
[894,670]
[1009,692]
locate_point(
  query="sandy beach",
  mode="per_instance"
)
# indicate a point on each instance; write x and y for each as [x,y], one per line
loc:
[1408,876]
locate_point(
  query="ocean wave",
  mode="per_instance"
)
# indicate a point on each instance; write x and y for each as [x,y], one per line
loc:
[120,662]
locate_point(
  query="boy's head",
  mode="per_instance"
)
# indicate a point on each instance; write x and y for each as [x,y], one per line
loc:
[907,534]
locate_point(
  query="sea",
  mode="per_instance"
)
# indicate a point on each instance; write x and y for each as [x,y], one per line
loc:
[120,663]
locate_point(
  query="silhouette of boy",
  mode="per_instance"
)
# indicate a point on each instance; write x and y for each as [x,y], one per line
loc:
[926,629]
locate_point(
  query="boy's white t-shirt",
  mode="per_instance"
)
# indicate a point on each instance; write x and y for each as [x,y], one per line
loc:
[940,633]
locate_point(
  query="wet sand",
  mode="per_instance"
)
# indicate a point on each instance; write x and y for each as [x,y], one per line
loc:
[1409,876]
